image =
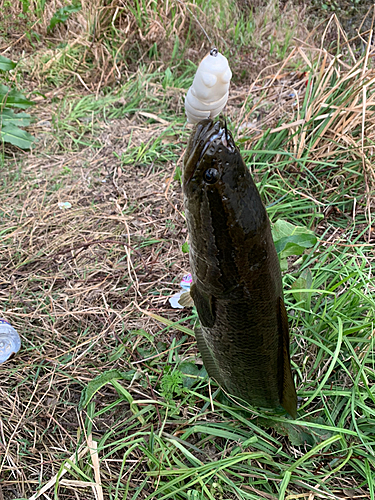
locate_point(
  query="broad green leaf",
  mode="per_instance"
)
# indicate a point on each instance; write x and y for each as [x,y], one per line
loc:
[13,98]
[291,240]
[62,15]
[192,373]
[16,136]
[295,244]
[9,117]
[283,228]
[185,247]
[283,264]
[98,382]
[6,64]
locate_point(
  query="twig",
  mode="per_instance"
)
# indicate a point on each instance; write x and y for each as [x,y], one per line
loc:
[93,446]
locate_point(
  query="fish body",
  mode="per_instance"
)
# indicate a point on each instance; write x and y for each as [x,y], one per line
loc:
[237,286]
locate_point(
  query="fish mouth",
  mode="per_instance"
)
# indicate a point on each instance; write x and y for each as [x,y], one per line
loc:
[206,133]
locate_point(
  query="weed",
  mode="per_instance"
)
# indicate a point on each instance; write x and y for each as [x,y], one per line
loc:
[62,15]
[171,383]
[10,122]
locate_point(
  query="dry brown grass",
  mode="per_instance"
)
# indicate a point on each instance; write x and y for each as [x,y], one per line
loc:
[72,280]
[105,42]
[110,35]
[332,114]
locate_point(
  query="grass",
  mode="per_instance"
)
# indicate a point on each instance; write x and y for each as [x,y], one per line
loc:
[108,397]
[104,43]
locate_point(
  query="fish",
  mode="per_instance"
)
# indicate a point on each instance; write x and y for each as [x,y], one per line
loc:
[236,278]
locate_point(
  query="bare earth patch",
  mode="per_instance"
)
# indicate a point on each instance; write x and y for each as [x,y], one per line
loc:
[71,281]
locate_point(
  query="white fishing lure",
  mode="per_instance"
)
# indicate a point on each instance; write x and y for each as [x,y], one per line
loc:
[209,93]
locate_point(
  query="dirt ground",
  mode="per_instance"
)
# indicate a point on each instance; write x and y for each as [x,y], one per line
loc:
[90,241]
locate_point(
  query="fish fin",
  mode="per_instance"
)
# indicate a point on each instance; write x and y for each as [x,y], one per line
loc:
[205,306]
[208,360]
[186,300]
[288,395]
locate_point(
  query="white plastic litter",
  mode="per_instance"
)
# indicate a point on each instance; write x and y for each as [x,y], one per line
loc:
[185,285]
[10,341]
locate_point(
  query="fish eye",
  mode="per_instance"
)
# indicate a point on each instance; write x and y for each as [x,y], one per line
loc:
[211,175]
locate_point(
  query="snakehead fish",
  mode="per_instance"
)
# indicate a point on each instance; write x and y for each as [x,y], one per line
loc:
[237,287]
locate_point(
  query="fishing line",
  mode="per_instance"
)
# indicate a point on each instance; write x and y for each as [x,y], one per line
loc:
[197,21]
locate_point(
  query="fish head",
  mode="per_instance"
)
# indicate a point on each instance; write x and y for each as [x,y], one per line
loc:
[212,160]
[215,177]
[224,213]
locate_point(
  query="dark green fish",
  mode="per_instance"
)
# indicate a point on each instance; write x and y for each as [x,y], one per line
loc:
[237,287]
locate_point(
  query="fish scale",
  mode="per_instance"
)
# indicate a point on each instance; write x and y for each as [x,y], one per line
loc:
[237,286]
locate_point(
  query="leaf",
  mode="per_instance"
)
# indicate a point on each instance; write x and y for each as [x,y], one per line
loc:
[98,382]
[121,391]
[171,383]
[16,136]
[284,484]
[185,247]
[6,64]
[178,174]
[13,98]
[118,353]
[304,282]
[212,430]
[283,264]
[191,372]
[9,117]
[283,228]
[291,240]
[295,244]
[62,15]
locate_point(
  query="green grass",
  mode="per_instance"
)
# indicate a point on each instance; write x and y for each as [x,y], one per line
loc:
[170,439]
[333,345]
[333,439]
[90,51]
[76,283]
